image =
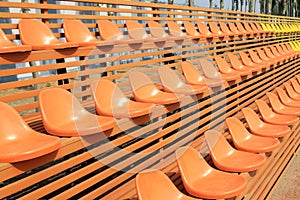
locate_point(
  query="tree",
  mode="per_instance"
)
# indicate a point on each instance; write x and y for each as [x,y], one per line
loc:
[221,4]
[191,2]
[241,4]
[269,7]
[251,5]
[211,3]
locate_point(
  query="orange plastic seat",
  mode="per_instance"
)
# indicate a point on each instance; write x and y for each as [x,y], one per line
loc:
[274,118]
[226,158]
[255,29]
[280,108]
[203,181]
[18,141]
[225,69]
[238,65]
[249,29]
[256,59]
[245,141]
[111,101]
[137,31]
[263,56]
[144,90]
[283,52]
[6,46]
[191,30]
[258,26]
[76,31]
[291,92]
[172,83]
[285,99]
[109,31]
[37,34]
[157,31]
[211,72]
[63,115]
[295,85]
[155,185]
[224,28]
[272,56]
[258,127]
[175,29]
[241,28]
[248,62]
[277,54]
[234,29]
[203,30]
[195,77]
[216,30]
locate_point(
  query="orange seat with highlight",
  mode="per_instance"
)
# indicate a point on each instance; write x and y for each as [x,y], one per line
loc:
[245,141]
[171,82]
[234,29]
[291,92]
[203,181]
[111,101]
[238,65]
[156,30]
[214,28]
[271,117]
[155,185]
[190,30]
[280,108]
[76,31]
[258,127]
[109,31]
[6,46]
[248,62]
[144,90]
[227,72]
[226,158]
[37,34]
[63,115]
[175,29]
[203,30]
[195,77]
[18,141]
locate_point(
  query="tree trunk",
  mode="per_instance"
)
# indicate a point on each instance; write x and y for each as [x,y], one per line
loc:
[221,4]
[262,6]
[241,5]
[269,7]
[251,5]
[191,2]
[211,3]
[170,1]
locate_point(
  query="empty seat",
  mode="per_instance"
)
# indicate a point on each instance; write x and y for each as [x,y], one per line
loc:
[109,31]
[228,73]
[111,101]
[37,34]
[256,59]
[203,30]
[224,28]
[203,181]
[263,57]
[76,31]
[245,141]
[285,99]
[18,141]
[144,90]
[234,29]
[137,31]
[226,158]
[241,28]
[238,65]
[6,46]
[172,83]
[214,28]
[291,92]
[175,29]
[155,185]
[63,115]
[255,29]
[190,30]
[295,85]
[157,30]
[195,77]
[248,62]
[278,107]
[271,117]
[258,127]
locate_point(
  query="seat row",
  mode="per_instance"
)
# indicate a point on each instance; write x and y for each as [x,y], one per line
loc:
[63,115]
[35,35]
[260,135]
[281,27]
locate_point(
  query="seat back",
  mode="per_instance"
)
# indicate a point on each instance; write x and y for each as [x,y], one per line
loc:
[254,56]
[108,97]
[237,129]
[136,30]
[190,28]
[209,69]
[76,31]
[156,29]
[247,27]
[4,41]
[274,100]
[235,62]
[214,28]
[192,75]
[11,123]
[203,29]
[264,109]
[224,28]
[245,59]
[169,77]
[217,143]
[251,117]
[233,28]
[175,29]
[35,32]
[187,157]
[282,94]
[223,65]
[155,185]
[109,30]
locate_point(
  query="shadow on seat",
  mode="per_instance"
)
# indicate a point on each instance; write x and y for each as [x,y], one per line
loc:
[37,34]
[258,127]
[6,46]
[172,83]
[155,185]
[111,101]
[63,115]
[76,31]
[144,90]
[245,141]
[18,141]
[226,158]
[274,118]
[203,181]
